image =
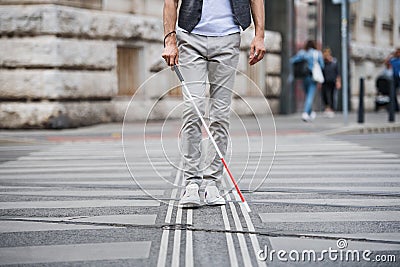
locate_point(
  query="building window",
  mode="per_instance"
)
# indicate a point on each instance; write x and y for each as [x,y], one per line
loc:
[128,63]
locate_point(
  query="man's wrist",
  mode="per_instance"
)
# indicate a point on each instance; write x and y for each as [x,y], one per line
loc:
[170,36]
[259,34]
[170,41]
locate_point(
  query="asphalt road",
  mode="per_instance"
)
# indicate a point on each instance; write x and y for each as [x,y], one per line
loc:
[84,198]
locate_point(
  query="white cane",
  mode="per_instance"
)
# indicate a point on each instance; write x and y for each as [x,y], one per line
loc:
[179,74]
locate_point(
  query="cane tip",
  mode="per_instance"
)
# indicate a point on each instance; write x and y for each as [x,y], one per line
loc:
[246,206]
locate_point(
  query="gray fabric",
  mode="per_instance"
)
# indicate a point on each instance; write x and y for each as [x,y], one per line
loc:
[215,58]
[190,13]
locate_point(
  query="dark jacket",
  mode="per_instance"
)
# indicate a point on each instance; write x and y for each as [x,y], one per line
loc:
[190,13]
[331,70]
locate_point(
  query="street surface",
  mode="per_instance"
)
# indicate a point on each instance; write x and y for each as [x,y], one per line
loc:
[326,196]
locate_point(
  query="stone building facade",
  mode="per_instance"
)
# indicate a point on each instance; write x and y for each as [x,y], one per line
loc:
[70,63]
[375,33]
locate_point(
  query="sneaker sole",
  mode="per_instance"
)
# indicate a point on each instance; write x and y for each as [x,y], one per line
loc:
[190,205]
[216,203]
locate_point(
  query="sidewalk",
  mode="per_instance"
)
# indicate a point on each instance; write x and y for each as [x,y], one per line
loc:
[285,125]
[373,123]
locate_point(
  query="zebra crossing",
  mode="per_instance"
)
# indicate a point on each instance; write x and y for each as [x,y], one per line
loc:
[321,190]
[63,190]
[77,202]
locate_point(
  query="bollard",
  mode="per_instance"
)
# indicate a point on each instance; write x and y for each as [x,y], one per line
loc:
[361,102]
[392,102]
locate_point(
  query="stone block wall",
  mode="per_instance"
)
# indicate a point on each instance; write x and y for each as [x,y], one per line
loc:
[58,65]
[59,68]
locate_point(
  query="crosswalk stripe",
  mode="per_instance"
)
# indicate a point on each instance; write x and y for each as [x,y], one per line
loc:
[162,255]
[352,202]
[250,226]
[309,217]
[289,244]
[89,175]
[231,248]
[189,256]
[337,189]
[74,169]
[386,237]
[176,249]
[78,204]
[133,182]
[86,193]
[242,242]
[26,226]
[75,252]
[133,219]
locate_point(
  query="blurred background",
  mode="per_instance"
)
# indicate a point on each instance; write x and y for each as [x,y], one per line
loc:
[71,63]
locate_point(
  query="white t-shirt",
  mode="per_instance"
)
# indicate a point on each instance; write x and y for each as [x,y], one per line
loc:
[216,19]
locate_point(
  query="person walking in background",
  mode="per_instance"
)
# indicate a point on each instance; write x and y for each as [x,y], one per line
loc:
[332,82]
[312,56]
[394,61]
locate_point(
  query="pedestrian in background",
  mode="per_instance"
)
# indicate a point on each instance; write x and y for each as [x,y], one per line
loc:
[312,56]
[331,83]
[394,61]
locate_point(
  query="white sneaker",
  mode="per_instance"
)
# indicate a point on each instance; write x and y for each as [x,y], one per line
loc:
[305,117]
[212,196]
[191,197]
[313,115]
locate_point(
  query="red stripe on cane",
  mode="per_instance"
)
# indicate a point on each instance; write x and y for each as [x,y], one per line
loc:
[233,181]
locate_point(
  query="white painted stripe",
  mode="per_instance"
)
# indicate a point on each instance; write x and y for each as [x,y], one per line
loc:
[160,182]
[321,160]
[177,241]
[171,205]
[23,226]
[349,189]
[75,157]
[292,171]
[229,241]
[189,241]
[75,252]
[300,244]
[86,193]
[394,237]
[366,216]
[87,176]
[337,202]
[6,187]
[162,256]
[135,219]
[78,204]
[345,158]
[325,180]
[250,226]
[329,152]
[34,164]
[327,166]
[242,241]
[103,169]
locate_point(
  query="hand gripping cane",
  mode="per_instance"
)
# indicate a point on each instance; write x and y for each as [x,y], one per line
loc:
[179,74]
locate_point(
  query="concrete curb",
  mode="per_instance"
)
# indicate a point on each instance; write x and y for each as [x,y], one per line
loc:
[372,128]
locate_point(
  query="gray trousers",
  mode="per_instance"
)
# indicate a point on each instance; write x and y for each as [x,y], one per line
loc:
[215,58]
